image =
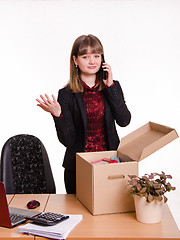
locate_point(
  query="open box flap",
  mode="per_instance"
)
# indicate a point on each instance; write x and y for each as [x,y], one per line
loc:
[144,141]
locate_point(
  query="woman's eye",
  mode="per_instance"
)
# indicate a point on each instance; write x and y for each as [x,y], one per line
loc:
[97,56]
[85,57]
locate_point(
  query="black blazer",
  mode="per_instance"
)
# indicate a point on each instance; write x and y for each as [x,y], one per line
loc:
[71,127]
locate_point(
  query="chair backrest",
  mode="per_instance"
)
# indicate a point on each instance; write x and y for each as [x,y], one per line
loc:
[25,166]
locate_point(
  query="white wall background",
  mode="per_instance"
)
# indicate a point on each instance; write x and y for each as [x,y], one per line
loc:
[141,39]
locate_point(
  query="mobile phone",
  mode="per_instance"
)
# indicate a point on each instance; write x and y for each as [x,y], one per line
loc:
[104,73]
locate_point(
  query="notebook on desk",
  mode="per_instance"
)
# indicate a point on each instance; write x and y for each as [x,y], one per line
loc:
[10,216]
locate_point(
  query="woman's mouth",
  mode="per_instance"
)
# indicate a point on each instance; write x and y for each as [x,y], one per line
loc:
[92,67]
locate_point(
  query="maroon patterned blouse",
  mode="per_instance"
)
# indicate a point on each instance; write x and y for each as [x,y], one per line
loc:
[96,140]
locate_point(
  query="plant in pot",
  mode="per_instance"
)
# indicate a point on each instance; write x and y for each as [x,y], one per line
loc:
[149,195]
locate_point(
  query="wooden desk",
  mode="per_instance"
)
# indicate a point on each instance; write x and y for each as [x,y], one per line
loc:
[20,201]
[111,226]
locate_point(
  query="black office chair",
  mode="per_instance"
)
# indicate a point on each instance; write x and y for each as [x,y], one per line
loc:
[25,166]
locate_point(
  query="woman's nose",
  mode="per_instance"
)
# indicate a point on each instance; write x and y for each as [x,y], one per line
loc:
[91,60]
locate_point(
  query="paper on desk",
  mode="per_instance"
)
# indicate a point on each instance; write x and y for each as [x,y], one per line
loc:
[58,231]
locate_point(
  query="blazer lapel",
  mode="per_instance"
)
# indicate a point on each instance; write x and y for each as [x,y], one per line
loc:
[82,106]
[106,113]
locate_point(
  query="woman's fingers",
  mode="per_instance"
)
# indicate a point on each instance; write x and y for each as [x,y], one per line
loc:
[45,103]
[39,101]
[109,80]
[43,98]
[48,99]
[54,99]
[106,67]
[49,105]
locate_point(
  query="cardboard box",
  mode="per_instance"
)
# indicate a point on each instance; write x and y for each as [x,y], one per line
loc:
[103,188]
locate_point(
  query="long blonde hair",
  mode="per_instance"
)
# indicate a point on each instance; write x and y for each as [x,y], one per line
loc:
[79,48]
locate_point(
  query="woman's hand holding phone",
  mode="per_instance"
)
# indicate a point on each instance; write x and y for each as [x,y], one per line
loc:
[109,78]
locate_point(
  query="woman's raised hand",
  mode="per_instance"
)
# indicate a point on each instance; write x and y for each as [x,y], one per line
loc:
[49,105]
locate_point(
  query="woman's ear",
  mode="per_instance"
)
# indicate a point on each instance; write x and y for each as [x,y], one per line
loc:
[75,60]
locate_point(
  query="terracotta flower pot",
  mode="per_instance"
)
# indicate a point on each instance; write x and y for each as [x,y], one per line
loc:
[148,212]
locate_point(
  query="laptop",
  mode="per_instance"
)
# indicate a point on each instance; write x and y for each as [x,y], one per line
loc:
[10,216]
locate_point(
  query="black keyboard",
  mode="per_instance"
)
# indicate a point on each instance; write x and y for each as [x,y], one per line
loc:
[16,218]
[48,218]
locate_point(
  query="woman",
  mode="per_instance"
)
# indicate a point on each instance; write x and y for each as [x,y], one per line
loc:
[87,107]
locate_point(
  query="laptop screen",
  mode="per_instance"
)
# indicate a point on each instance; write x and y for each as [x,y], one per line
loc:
[4,210]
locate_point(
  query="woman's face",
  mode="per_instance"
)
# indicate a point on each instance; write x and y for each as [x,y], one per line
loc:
[89,63]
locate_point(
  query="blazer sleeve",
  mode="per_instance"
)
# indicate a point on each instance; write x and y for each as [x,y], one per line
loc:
[120,111]
[65,127]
